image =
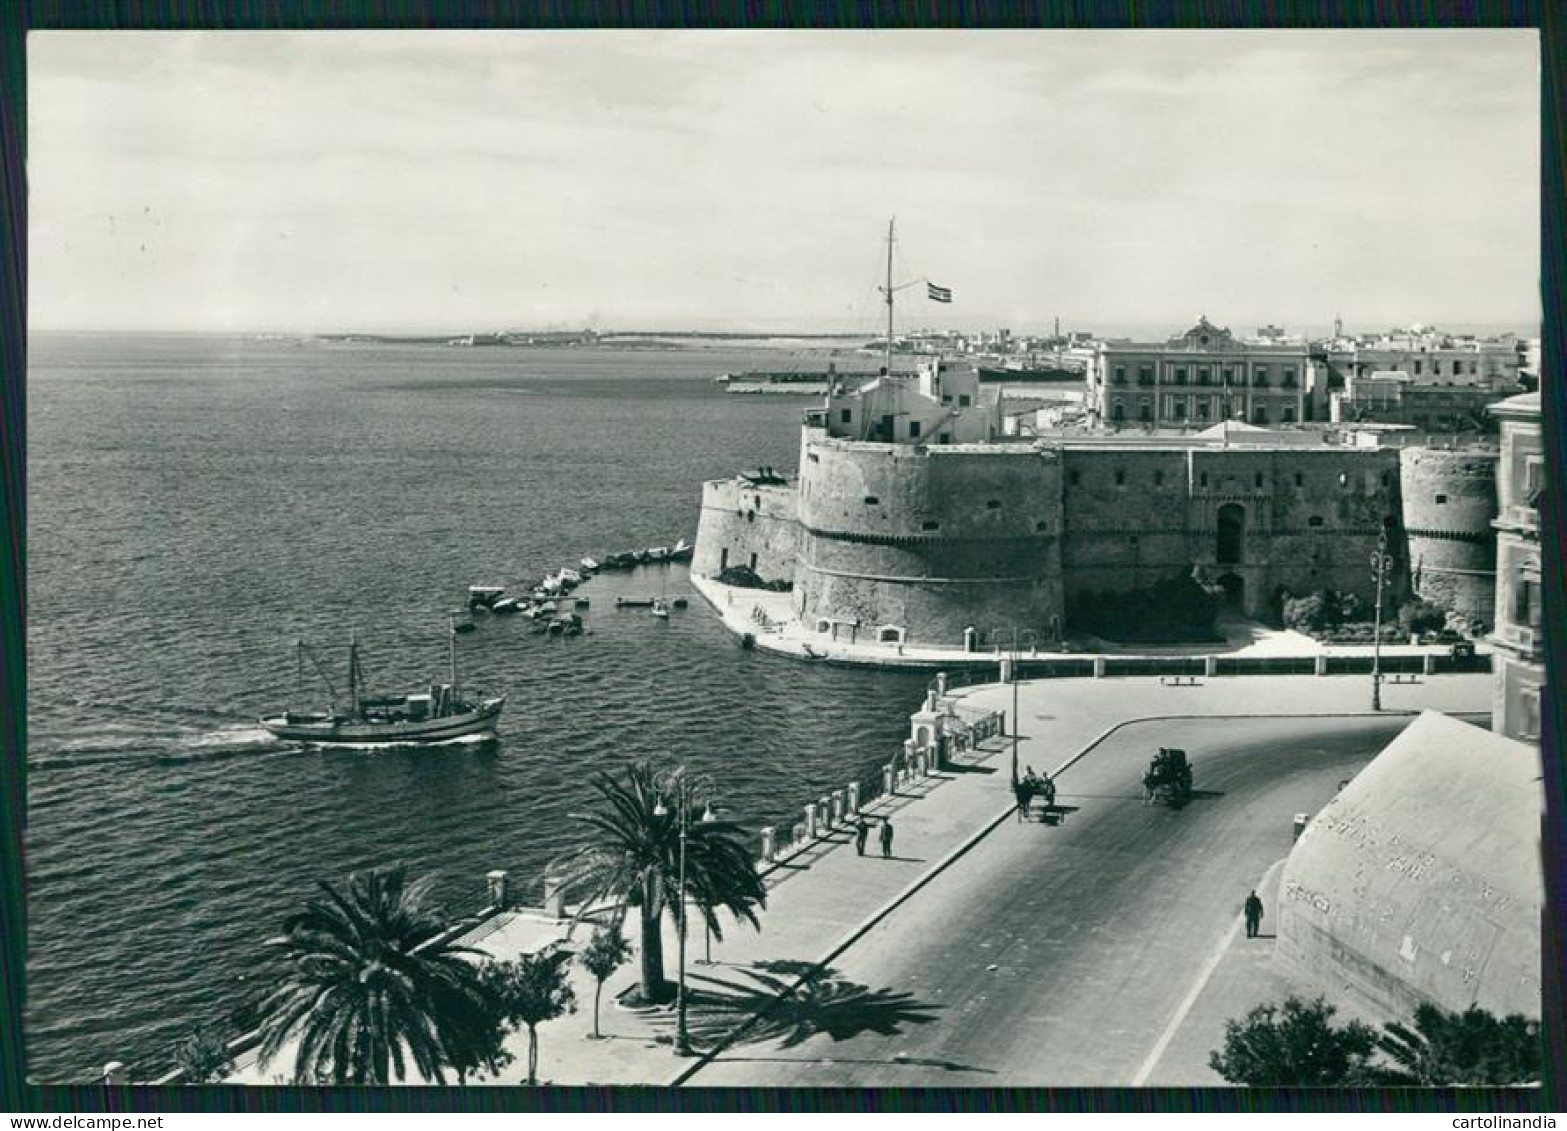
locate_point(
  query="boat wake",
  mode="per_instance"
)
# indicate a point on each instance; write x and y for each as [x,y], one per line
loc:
[476,740]
[120,746]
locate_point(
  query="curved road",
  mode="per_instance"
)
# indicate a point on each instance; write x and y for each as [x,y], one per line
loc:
[1059,955]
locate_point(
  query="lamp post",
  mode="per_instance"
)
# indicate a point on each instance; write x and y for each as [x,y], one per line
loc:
[1017,635]
[683,788]
[1381,571]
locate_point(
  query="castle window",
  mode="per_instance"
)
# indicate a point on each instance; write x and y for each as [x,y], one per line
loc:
[750,516]
[1203,479]
[992,504]
[914,429]
[1120,477]
[889,634]
[872,501]
[1419,365]
[1441,499]
[930,525]
[1074,477]
[1314,520]
[847,416]
[1041,527]
[1300,480]
[1258,479]
[1158,479]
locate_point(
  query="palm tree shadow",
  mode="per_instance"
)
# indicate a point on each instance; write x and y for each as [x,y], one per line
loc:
[824,1004]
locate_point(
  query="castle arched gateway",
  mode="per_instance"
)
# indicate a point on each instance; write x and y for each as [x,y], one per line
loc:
[1230,546]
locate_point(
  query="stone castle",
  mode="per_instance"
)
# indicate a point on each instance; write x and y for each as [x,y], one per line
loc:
[914,519]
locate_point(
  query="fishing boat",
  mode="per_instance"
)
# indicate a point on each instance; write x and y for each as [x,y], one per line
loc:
[589,565]
[438,713]
[682,551]
[660,608]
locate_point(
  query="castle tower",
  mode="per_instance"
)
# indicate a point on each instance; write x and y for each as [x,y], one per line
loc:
[1449,502]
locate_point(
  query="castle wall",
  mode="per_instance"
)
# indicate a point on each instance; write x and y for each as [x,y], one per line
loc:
[1308,519]
[1421,881]
[742,524]
[1449,501]
[929,541]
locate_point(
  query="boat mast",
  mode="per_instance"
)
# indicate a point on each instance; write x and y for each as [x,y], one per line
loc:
[353,673]
[887,355]
[451,645]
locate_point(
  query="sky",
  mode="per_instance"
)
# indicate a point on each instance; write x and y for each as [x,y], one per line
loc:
[479,181]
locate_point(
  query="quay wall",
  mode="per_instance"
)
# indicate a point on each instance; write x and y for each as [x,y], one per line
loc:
[1449,501]
[1392,896]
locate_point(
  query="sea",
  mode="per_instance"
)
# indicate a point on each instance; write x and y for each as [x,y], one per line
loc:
[197,504]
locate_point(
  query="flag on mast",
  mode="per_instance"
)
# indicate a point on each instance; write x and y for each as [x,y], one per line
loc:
[937,294]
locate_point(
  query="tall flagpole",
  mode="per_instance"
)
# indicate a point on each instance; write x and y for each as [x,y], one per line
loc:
[887,356]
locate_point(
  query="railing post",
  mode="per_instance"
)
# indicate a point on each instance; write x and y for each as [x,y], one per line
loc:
[1099,667]
[554,899]
[810,821]
[941,683]
[887,783]
[495,886]
[1319,665]
[1428,663]
[854,798]
[799,834]
[824,810]
[769,844]
[1210,666]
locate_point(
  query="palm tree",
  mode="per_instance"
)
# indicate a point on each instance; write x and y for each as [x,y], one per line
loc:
[369,988]
[634,857]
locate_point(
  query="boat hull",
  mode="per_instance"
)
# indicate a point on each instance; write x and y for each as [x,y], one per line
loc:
[422,732]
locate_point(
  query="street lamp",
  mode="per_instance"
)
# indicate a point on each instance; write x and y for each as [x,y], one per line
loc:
[1033,637]
[1381,572]
[683,788]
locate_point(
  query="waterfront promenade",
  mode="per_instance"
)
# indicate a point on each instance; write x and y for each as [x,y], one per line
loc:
[768,617]
[957,849]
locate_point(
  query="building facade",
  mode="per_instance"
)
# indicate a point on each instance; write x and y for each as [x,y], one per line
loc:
[1200,377]
[1393,397]
[1520,646]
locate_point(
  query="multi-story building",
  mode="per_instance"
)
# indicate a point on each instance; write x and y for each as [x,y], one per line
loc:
[1201,377]
[1394,397]
[1520,647]
[1425,356]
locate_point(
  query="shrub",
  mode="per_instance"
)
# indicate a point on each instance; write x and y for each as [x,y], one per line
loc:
[1295,1045]
[1420,616]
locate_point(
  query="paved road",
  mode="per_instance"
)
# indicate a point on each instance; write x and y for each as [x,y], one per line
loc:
[1058,956]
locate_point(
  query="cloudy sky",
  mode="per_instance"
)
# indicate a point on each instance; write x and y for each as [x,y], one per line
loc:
[430,181]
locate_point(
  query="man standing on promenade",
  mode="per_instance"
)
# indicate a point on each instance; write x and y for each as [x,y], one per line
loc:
[886,837]
[861,832]
[1253,915]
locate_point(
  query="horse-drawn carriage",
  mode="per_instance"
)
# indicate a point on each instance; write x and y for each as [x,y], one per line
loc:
[1169,778]
[1032,788]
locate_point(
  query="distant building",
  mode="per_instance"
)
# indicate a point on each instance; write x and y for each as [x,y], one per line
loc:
[1426,356]
[1394,397]
[1520,659]
[1200,377]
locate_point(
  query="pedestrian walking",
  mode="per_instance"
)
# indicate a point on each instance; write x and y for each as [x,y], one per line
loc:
[861,832]
[886,837]
[1253,915]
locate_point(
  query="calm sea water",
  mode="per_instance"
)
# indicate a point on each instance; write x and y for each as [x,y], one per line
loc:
[197,504]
